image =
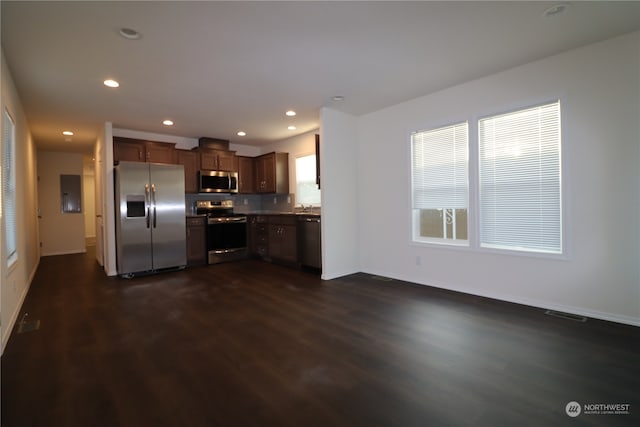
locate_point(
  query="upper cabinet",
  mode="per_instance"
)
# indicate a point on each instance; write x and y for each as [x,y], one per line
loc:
[246,175]
[136,150]
[272,173]
[218,160]
[191,162]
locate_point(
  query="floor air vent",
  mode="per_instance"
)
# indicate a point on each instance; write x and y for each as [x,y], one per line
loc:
[382,278]
[567,316]
[28,325]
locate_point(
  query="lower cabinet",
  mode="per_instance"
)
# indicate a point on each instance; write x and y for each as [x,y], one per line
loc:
[274,237]
[283,241]
[259,236]
[196,240]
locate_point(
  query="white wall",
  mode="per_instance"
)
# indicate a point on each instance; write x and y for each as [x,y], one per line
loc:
[108,207]
[339,172]
[599,89]
[60,233]
[15,281]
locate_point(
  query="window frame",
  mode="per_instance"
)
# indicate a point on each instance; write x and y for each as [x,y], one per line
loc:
[295,178]
[415,213]
[473,118]
[11,256]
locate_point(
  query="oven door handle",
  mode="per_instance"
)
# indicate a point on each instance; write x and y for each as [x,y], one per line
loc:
[226,219]
[227,251]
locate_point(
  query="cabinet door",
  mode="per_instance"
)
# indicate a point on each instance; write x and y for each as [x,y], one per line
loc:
[269,174]
[160,152]
[246,176]
[227,161]
[128,151]
[283,243]
[208,160]
[191,162]
[196,241]
[259,175]
[289,243]
[275,243]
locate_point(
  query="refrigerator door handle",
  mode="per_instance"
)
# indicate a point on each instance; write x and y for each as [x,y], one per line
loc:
[153,194]
[147,203]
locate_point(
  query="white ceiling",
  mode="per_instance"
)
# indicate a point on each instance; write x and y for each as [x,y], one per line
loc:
[219,67]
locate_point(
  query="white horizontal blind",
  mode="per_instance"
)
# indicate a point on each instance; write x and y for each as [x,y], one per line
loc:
[9,184]
[520,197]
[440,177]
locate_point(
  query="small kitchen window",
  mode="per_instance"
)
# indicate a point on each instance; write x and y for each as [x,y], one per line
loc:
[307,191]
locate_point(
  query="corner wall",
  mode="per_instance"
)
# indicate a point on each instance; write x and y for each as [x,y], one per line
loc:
[598,89]
[339,164]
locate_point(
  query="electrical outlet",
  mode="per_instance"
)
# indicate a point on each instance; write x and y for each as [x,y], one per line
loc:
[246,202]
[275,200]
[289,199]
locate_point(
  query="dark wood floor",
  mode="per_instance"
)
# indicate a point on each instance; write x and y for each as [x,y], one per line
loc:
[255,344]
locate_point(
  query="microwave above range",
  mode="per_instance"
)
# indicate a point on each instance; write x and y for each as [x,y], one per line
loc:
[217,181]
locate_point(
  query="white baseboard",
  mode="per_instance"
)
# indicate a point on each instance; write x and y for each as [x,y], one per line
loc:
[580,311]
[74,251]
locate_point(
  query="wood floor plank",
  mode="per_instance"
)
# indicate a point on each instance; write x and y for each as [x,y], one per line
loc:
[255,344]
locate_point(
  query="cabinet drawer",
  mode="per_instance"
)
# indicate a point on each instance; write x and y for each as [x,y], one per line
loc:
[196,221]
[282,219]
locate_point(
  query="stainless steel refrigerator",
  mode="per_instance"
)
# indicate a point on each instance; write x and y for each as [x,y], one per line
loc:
[150,218]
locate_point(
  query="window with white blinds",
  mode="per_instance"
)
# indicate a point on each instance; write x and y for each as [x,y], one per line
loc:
[9,186]
[519,180]
[440,182]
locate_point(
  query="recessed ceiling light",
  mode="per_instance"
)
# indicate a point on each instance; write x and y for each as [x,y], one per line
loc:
[291,127]
[337,98]
[242,133]
[290,113]
[167,122]
[129,33]
[68,133]
[111,83]
[556,9]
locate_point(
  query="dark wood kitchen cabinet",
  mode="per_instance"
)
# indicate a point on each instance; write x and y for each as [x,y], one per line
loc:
[218,160]
[259,235]
[272,173]
[137,150]
[196,240]
[283,242]
[246,175]
[191,162]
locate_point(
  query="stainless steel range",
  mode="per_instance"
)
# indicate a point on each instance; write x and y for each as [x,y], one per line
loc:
[226,231]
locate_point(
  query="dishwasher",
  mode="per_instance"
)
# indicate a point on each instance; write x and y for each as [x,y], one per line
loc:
[309,242]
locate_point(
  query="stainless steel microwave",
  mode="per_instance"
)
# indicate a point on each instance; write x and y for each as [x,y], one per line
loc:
[217,181]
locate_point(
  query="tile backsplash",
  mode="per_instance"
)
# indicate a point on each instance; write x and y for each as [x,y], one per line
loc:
[245,203]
